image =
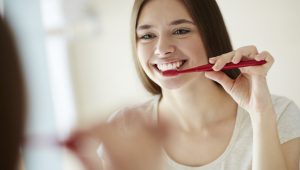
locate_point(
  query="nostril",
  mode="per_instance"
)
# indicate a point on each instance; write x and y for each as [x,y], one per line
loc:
[164,51]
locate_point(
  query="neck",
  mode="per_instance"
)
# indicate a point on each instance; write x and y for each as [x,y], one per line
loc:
[197,105]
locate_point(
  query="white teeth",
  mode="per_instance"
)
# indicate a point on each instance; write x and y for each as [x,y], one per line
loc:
[174,65]
[164,67]
[169,66]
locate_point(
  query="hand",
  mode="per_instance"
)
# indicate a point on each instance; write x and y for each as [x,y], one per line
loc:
[134,149]
[250,89]
[83,144]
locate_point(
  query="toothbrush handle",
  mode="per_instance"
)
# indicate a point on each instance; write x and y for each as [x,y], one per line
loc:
[231,65]
[208,67]
[244,64]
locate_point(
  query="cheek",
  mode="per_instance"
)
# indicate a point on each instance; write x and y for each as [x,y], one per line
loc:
[194,48]
[143,54]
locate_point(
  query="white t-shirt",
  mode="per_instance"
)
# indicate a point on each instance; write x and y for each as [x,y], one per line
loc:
[238,154]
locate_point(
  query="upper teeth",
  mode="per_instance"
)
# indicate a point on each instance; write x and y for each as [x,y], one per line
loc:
[169,66]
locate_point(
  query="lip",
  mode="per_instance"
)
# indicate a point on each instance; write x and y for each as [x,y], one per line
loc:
[169,62]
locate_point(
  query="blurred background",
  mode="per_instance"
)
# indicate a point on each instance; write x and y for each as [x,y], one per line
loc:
[79,69]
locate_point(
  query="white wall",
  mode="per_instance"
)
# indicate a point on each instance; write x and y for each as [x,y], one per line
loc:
[104,74]
[103,70]
[1,7]
[271,25]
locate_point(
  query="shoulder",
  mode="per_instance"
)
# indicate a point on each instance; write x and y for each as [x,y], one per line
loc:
[144,111]
[288,118]
[132,117]
[284,105]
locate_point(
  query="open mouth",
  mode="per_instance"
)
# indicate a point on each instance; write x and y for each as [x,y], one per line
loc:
[170,66]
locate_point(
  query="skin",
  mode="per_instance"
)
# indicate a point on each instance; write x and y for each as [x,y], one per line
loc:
[188,102]
[141,143]
[168,40]
[187,98]
[195,131]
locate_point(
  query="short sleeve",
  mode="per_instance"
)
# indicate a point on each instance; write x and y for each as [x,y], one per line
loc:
[288,120]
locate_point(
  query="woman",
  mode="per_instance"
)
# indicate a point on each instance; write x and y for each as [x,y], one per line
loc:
[12,101]
[213,120]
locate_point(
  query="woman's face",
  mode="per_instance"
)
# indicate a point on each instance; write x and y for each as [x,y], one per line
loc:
[167,38]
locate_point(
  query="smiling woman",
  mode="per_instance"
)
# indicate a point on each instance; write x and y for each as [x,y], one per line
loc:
[203,121]
[214,35]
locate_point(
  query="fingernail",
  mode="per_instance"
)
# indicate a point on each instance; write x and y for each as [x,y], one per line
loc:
[235,61]
[216,67]
[210,60]
[257,58]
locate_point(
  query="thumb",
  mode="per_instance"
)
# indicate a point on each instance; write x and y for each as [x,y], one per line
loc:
[221,78]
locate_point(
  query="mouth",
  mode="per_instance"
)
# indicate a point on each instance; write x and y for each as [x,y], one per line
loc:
[177,65]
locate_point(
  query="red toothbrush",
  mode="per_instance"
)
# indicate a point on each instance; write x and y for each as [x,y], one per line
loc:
[208,67]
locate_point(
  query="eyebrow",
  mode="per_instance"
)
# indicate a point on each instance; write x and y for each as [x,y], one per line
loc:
[181,21]
[176,22]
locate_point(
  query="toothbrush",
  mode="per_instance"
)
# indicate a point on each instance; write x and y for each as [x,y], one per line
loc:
[208,67]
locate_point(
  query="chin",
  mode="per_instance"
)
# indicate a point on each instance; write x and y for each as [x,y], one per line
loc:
[174,83]
[182,81]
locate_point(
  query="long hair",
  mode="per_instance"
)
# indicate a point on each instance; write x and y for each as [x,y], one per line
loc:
[12,100]
[209,21]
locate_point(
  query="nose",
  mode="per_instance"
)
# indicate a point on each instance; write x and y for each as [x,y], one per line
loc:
[164,47]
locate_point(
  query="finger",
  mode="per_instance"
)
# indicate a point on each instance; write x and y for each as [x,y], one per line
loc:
[237,57]
[94,134]
[248,52]
[84,147]
[260,70]
[91,163]
[222,60]
[212,60]
[265,55]
[268,58]
[221,78]
[73,142]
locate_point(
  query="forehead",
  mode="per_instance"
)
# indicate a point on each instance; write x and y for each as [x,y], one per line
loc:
[163,12]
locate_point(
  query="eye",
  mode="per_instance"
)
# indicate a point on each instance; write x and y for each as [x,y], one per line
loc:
[147,36]
[181,31]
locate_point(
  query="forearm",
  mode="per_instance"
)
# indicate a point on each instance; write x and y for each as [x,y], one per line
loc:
[267,151]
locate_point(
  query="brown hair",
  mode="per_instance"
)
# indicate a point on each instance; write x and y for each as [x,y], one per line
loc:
[12,102]
[209,21]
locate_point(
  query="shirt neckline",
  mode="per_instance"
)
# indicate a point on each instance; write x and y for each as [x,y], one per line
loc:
[215,162]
